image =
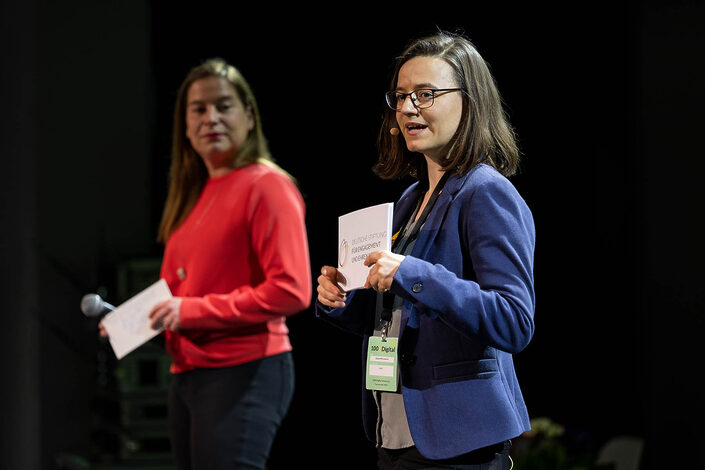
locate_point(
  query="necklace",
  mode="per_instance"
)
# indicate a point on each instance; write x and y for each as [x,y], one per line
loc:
[181,271]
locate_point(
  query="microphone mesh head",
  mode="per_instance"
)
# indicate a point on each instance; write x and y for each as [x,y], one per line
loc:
[91,305]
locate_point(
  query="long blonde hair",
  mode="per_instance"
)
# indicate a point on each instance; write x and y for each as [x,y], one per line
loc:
[188,173]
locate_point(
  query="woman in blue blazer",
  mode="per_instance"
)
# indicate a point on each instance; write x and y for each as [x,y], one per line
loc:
[454,298]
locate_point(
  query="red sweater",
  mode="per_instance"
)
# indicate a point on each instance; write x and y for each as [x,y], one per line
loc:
[240,262]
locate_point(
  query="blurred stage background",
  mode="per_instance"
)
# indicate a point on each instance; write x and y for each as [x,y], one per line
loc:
[607,101]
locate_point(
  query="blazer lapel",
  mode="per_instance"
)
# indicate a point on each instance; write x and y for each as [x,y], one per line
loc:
[435,219]
[424,240]
[404,207]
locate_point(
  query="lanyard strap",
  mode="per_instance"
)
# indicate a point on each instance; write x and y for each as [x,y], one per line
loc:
[416,225]
[410,232]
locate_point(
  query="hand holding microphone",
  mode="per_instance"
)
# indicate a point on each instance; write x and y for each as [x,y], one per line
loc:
[92,305]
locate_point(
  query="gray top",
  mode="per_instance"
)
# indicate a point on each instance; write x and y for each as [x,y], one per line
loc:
[392,426]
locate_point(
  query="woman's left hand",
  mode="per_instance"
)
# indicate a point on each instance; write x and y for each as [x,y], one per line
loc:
[384,265]
[167,314]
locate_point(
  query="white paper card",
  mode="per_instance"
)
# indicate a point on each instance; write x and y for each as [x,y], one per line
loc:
[360,233]
[128,326]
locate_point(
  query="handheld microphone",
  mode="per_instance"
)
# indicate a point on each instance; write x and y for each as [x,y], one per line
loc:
[92,305]
[394,130]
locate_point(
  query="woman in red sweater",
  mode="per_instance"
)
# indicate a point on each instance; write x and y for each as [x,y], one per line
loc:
[237,262]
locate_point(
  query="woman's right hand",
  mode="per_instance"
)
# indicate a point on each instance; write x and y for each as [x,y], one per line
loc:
[102,331]
[329,292]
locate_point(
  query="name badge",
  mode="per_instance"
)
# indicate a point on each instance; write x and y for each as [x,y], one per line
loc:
[382,364]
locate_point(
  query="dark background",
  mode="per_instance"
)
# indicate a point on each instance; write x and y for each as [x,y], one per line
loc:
[607,101]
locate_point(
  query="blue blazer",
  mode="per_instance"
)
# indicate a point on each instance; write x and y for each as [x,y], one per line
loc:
[468,305]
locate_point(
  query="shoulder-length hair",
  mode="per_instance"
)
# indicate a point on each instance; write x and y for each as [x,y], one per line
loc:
[188,174]
[484,133]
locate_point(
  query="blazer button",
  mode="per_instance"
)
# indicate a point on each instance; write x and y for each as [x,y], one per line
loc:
[416,288]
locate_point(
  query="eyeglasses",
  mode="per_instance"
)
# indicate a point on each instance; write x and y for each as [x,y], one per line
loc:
[421,98]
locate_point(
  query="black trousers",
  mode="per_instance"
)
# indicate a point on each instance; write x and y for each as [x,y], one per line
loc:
[495,457]
[227,418]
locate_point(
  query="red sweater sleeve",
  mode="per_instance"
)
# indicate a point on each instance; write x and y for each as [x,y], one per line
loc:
[275,214]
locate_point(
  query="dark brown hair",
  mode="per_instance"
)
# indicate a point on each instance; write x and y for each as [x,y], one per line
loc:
[484,133]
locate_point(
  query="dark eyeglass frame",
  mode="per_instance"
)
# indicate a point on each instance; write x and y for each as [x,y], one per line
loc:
[394,96]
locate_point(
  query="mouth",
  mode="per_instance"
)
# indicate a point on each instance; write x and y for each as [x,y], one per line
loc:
[212,136]
[414,128]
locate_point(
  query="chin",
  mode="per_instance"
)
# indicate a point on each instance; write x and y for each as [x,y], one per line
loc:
[412,146]
[416,148]
[217,150]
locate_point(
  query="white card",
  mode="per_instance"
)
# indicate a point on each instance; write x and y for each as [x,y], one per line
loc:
[128,326]
[361,233]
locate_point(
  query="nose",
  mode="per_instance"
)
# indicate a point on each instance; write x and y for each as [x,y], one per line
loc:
[211,114]
[408,106]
